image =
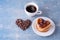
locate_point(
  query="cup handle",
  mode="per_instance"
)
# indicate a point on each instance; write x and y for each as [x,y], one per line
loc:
[39,12]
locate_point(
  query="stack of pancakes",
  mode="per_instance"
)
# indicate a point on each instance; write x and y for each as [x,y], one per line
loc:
[43,25]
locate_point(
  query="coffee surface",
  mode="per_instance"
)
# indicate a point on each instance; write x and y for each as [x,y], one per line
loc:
[31,8]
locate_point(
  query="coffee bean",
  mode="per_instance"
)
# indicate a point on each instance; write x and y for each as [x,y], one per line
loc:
[23,24]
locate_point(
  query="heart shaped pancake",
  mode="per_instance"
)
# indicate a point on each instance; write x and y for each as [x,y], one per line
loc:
[23,24]
[43,23]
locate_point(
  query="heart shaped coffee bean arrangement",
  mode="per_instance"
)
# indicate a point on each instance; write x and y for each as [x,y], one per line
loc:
[23,24]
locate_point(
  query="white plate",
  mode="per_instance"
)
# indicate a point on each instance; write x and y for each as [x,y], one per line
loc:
[48,33]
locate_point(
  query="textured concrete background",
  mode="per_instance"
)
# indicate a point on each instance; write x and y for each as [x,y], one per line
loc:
[10,10]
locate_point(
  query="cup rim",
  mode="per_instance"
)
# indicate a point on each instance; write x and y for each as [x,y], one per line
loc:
[31,3]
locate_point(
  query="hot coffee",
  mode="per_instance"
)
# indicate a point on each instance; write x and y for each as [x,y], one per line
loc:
[31,8]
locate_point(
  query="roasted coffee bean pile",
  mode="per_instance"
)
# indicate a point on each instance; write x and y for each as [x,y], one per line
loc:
[23,24]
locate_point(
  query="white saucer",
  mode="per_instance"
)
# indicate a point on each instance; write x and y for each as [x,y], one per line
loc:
[48,33]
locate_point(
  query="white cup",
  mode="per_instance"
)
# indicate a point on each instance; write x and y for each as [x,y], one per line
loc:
[34,13]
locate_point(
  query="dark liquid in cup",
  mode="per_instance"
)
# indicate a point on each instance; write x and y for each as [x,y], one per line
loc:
[31,8]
